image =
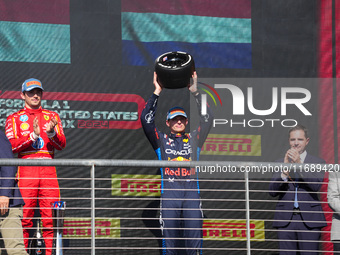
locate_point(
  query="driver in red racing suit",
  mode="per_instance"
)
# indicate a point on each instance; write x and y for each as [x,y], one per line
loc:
[180,198]
[35,133]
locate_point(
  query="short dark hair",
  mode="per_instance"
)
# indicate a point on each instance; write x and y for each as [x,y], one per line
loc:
[299,127]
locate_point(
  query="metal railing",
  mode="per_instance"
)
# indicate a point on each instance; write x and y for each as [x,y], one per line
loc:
[248,167]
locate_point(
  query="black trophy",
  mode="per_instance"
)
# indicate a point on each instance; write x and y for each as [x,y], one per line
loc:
[174,69]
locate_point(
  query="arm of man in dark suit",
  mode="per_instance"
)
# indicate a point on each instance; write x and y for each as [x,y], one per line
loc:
[278,185]
[309,178]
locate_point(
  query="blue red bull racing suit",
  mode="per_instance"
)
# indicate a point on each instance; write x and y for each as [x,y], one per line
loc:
[180,205]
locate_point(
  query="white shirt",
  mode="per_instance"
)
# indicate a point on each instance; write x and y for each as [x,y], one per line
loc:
[303,156]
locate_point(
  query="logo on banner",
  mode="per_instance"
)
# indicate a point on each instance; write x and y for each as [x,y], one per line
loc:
[210,94]
[233,230]
[101,111]
[243,104]
[135,185]
[31,83]
[81,228]
[236,145]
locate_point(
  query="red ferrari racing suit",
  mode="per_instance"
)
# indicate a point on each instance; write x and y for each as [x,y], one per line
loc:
[36,183]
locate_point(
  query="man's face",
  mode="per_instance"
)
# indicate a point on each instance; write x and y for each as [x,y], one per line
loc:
[298,140]
[177,124]
[32,98]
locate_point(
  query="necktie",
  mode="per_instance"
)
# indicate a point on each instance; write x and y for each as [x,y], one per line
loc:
[296,203]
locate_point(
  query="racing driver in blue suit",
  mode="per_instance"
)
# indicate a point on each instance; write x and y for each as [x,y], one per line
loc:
[180,198]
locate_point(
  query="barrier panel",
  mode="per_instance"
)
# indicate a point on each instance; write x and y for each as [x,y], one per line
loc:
[118,212]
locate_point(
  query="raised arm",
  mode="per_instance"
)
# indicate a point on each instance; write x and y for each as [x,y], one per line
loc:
[148,116]
[55,132]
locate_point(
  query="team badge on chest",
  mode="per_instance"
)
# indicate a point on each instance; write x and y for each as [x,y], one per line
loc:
[24,126]
[23,118]
[38,144]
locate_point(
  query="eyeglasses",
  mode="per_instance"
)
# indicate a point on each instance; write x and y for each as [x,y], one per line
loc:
[33,92]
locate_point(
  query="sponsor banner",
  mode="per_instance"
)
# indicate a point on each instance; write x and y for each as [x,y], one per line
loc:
[80,228]
[233,230]
[236,145]
[136,185]
[83,110]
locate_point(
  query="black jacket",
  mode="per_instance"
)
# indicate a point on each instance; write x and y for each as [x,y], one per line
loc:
[8,183]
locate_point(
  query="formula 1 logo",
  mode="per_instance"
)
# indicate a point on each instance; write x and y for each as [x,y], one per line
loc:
[83,110]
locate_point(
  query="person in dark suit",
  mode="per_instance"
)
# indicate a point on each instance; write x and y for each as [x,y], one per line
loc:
[299,217]
[11,204]
[333,196]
